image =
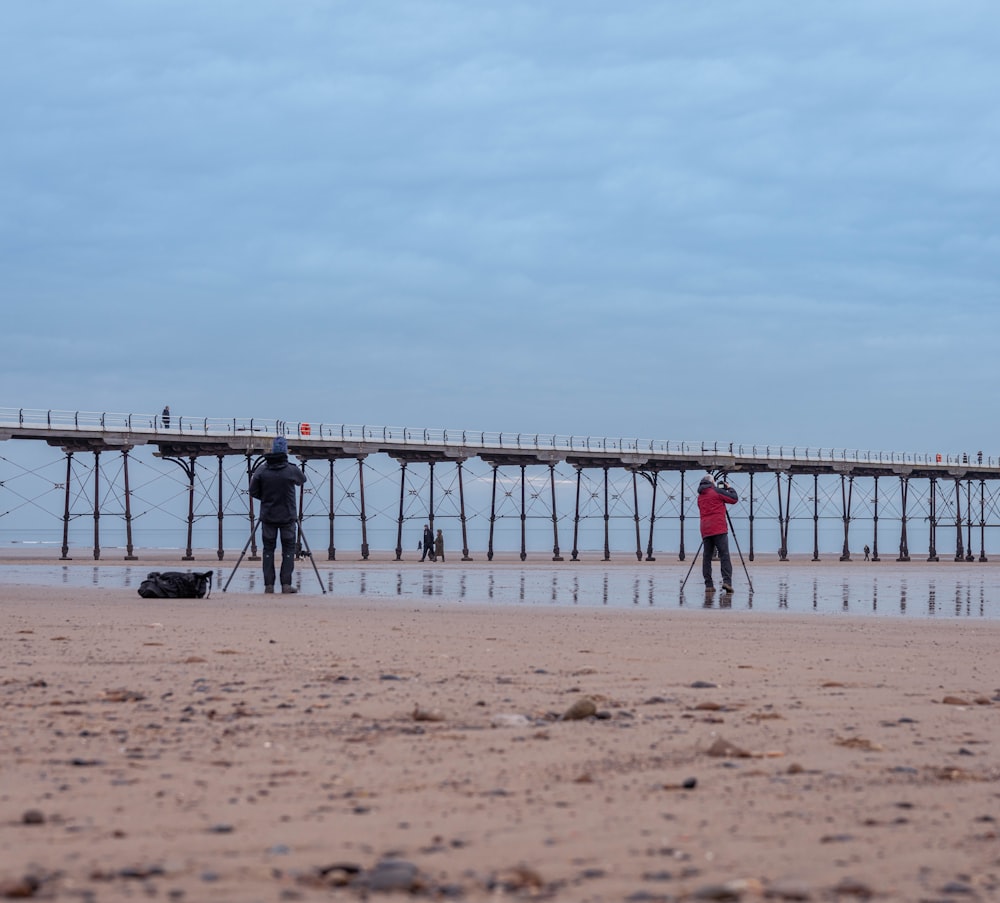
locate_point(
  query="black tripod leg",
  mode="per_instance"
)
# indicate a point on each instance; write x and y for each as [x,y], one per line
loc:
[693,561]
[738,549]
[305,542]
[240,559]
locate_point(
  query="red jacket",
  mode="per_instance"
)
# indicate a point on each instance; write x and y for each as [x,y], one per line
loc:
[712,501]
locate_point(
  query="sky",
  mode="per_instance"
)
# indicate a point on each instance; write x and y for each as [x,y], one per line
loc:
[760,223]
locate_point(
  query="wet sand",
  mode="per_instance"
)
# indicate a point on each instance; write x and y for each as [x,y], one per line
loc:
[293,748]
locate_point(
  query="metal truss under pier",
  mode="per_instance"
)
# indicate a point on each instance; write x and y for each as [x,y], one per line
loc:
[610,475]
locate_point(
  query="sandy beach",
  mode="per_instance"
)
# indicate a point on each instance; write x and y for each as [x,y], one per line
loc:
[302,748]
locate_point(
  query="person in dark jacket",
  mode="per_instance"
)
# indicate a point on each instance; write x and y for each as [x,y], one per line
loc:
[428,543]
[274,484]
[712,501]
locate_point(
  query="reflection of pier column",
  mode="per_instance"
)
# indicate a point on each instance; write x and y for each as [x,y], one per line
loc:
[399,522]
[932,554]
[69,475]
[680,550]
[576,516]
[524,524]
[652,514]
[875,524]
[904,548]
[607,519]
[461,510]
[845,500]
[959,547]
[129,556]
[97,504]
[364,516]
[493,515]
[331,549]
[555,520]
[750,552]
[635,509]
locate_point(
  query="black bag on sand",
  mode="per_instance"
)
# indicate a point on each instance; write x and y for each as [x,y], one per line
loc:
[176,585]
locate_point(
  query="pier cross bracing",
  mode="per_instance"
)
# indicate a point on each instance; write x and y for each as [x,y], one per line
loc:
[551,485]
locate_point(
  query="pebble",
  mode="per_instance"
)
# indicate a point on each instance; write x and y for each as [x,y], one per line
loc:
[582,708]
[393,875]
[33,817]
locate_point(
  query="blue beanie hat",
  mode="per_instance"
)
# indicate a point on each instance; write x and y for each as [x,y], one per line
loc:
[280,446]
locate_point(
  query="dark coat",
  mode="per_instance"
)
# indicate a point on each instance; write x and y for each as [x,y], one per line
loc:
[712,501]
[273,484]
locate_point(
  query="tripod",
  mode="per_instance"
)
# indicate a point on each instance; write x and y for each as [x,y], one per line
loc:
[302,538]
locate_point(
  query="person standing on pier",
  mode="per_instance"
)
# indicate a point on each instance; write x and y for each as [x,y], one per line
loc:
[712,501]
[274,484]
[166,417]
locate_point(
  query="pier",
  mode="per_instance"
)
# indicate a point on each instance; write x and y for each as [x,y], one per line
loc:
[609,496]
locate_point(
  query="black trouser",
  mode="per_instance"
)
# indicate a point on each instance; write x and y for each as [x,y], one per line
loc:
[269,533]
[708,546]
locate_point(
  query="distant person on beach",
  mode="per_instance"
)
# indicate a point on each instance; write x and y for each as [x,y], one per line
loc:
[428,543]
[439,545]
[273,484]
[712,501]
[868,553]
[166,417]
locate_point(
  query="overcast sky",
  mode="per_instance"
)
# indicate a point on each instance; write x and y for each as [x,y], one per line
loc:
[737,221]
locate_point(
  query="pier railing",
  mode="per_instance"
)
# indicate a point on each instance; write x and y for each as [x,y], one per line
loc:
[180,425]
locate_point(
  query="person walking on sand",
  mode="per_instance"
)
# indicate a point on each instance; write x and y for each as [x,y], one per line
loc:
[428,543]
[274,484]
[439,545]
[712,501]
[868,553]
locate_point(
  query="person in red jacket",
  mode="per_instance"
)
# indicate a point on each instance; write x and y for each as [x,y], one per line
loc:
[712,501]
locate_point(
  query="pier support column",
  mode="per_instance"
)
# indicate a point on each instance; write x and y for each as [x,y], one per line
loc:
[364,516]
[635,508]
[680,551]
[576,516]
[399,522]
[220,552]
[845,500]
[982,520]
[607,520]
[750,550]
[253,523]
[493,516]
[461,511]
[555,520]
[904,548]
[815,517]
[652,514]
[524,519]
[968,520]
[331,549]
[932,554]
[188,467]
[959,546]
[430,503]
[69,477]
[129,548]
[875,524]
[97,505]
[784,517]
